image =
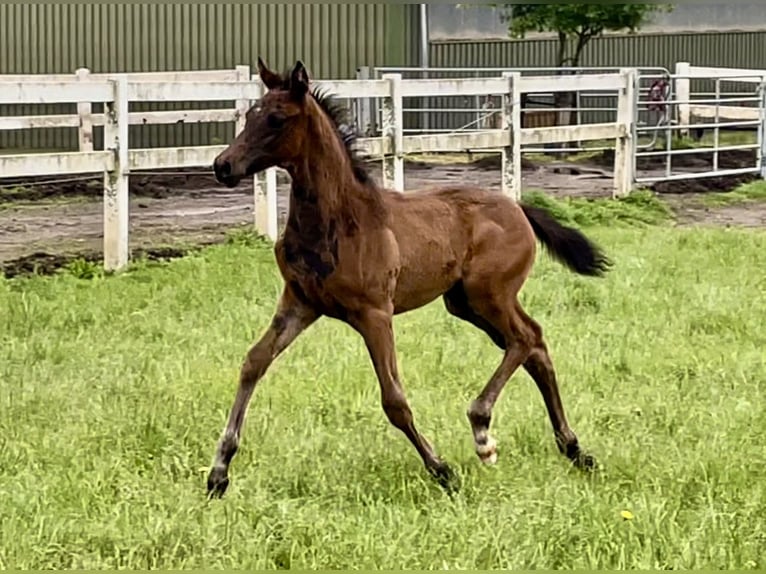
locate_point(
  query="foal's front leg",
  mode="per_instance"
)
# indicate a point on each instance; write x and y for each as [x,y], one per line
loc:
[376,328]
[288,322]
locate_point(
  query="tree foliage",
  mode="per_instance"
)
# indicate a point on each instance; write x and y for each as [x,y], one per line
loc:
[575,24]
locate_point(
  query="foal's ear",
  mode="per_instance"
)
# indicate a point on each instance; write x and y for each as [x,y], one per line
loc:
[299,81]
[269,78]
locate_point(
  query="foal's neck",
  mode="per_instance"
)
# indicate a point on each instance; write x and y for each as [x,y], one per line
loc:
[324,187]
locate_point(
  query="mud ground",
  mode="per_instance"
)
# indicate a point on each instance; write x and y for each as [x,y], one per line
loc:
[45,224]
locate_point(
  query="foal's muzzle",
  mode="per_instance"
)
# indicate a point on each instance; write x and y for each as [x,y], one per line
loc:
[222,170]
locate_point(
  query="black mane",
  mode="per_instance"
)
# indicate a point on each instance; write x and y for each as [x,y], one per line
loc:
[338,114]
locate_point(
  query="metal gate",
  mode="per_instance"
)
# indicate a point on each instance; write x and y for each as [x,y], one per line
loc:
[691,127]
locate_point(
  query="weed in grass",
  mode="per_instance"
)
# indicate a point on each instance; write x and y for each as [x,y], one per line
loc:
[247,237]
[114,391]
[83,269]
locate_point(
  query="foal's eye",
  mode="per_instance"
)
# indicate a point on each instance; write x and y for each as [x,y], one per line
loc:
[275,121]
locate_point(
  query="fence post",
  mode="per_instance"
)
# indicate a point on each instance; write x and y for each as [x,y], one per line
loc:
[762,128]
[272,215]
[262,219]
[261,191]
[393,167]
[116,220]
[625,146]
[683,95]
[511,154]
[363,108]
[243,75]
[84,113]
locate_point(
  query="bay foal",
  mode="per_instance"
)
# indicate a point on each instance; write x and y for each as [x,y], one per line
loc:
[361,254]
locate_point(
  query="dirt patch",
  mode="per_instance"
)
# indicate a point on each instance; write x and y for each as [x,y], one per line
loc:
[142,184]
[699,162]
[690,209]
[495,161]
[732,159]
[702,185]
[53,225]
[49,263]
[185,217]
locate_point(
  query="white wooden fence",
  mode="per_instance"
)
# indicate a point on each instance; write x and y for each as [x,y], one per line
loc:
[117,160]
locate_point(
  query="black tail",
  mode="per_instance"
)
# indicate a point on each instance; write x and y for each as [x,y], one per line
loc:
[567,245]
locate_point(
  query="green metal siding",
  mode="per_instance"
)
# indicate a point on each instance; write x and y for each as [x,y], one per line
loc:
[725,49]
[333,40]
[728,49]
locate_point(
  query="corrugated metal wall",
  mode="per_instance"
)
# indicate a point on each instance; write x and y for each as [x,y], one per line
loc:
[727,49]
[731,49]
[332,39]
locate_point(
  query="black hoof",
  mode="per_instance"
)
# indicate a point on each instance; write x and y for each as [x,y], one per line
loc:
[580,459]
[446,478]
[217,483]
[584,461]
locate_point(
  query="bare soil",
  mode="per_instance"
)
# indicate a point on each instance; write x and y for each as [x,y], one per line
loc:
[43,225]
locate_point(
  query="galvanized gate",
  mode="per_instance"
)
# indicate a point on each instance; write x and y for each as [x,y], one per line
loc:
[707,123]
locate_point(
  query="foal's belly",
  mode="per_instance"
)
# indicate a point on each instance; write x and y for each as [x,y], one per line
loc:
[424,275]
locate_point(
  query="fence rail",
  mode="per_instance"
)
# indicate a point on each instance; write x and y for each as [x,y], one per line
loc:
[239,87]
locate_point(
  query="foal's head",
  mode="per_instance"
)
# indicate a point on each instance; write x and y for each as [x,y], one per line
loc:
[275,128]
[279,126]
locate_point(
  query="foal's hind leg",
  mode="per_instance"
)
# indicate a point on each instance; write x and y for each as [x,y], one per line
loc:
[456,302]
[288,322]
[540,367]
[511,340]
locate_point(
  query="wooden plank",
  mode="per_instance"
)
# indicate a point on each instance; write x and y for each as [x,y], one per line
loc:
[85,116]
[456,142]
[510,160]
[579,83]
[725,112]
[375,147]
[454,87]
[393,165]
[34,122]
[730,74]
[159,158]
[355,88]
[35,92]
[557,134]
[624,148]
[169,76]
[181,117]
[192,91]
[16,78]
[177,76]
[116,185]
[134,118]
[65,163]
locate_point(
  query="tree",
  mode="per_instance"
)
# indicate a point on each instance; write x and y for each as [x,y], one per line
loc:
[575,24]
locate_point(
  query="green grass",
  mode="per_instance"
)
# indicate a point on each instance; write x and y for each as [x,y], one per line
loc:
[114,390]
[743,194]
[640,208]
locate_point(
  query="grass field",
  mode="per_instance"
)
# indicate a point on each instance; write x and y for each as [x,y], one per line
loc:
[114,391]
